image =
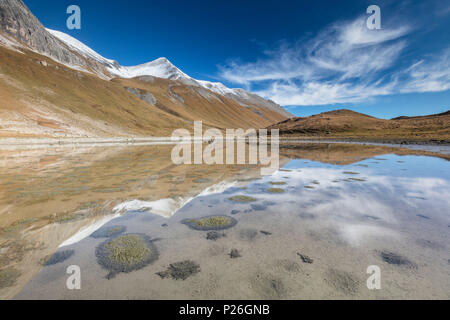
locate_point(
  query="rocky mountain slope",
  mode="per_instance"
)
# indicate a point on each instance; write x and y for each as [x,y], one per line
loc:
[354,125]
[52,85]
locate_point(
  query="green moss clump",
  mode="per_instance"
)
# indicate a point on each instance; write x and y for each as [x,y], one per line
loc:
[242,199]
[126,253]
[128,250]
[211,223]
[351,173]
[309,187]
[276,190]
[8,277]
[278,183]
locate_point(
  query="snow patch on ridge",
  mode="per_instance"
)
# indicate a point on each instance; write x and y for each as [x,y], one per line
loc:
[76,45]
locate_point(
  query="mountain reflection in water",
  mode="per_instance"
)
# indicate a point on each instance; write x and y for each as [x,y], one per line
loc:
[340,208]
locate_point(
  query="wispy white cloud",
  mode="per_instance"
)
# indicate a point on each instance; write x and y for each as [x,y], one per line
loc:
[345,62]
[430,75]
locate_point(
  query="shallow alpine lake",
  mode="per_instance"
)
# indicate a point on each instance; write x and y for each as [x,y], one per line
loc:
[139,227]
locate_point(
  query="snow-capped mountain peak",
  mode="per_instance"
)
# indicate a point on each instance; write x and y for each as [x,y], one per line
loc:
[161,68]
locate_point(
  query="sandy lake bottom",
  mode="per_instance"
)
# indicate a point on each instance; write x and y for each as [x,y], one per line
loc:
[139,227]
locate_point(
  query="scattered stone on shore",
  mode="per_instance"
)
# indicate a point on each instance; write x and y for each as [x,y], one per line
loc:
[233,212]
[210,223]
[8,277]
[59,257]
[305,258]
[235,254]
[165,225]
[201,180]
[242,199]
[126,253]
[266,233]
[214,235]
[107,232]
[180,270]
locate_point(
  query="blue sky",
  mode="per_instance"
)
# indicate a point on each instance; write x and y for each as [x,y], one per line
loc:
[310,56]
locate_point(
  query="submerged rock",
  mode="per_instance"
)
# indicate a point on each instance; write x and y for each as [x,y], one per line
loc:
[180,270]
[248,234]
[343,281]
[126,253]
[258,207]
[235,254]
[59,257]
[214,235]
[307,216]
[276,190]
[305,258]
[396,259]
[107,232]
[210,223]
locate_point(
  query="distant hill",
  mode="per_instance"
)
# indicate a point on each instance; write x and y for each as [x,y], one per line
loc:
[347,124]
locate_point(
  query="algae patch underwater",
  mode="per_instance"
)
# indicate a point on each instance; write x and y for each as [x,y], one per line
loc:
[242,199]
[210,223]
[126,253]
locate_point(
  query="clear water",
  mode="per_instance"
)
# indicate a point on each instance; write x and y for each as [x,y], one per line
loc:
[313,239]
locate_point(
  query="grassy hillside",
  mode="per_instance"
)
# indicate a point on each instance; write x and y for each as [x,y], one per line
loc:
[41,98]
[346,124]
[196,103]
